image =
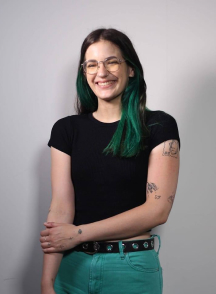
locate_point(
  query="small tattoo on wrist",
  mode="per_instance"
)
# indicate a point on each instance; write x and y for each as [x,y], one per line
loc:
[79,231]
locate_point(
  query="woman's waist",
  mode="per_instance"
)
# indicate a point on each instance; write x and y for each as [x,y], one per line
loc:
[139,237]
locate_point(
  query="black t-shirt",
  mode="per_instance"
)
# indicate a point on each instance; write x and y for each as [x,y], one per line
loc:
[105,185]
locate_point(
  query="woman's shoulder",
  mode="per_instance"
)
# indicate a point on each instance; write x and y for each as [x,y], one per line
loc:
[154,117]
[69,120]
[162,127]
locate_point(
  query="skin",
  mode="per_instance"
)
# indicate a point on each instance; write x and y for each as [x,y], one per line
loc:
[162,172]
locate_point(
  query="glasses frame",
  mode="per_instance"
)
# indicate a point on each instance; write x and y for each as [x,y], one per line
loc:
[103,61]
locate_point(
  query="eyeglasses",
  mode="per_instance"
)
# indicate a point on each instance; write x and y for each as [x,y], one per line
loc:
[111,64]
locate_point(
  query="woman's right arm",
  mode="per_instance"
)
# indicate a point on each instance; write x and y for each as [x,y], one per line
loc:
[62,210]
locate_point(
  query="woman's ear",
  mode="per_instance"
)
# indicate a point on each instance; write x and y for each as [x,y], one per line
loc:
[131,72]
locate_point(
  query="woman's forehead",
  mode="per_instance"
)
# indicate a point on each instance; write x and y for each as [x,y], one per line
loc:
[101,50]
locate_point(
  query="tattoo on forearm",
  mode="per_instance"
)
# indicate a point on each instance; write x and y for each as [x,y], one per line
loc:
[171,199]
[157,197]
[171,148]
[79,231]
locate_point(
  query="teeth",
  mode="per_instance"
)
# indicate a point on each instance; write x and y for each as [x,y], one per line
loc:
[106,83]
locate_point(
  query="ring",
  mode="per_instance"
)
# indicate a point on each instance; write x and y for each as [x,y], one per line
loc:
[49,244]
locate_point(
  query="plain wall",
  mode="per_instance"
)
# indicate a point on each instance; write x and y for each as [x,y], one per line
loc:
[39,50]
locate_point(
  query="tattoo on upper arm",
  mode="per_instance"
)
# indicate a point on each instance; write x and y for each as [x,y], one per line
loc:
[150,188]
[171,148]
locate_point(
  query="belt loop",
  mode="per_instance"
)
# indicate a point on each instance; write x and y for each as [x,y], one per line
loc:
[154,235]
[121,249]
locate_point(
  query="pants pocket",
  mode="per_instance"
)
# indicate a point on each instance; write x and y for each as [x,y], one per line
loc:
[144,261]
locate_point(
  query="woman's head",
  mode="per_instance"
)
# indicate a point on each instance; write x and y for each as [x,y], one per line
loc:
[128,86]
[107,80]
[110,40]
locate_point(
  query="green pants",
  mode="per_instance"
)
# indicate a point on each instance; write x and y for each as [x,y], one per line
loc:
[110,273]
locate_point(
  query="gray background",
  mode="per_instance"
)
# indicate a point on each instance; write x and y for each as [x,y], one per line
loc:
[39,51]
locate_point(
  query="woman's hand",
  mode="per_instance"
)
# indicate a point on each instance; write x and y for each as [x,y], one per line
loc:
[58,237]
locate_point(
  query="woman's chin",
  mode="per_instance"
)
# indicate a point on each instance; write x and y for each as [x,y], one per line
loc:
[107,96]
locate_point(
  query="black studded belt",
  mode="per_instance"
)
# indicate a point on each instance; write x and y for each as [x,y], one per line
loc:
[113,247]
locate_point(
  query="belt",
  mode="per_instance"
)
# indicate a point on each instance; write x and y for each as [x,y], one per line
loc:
[113,247]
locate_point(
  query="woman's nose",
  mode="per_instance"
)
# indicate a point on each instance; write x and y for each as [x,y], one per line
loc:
[102,71]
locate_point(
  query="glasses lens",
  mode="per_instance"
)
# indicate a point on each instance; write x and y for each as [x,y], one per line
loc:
[112,64]
[91,67]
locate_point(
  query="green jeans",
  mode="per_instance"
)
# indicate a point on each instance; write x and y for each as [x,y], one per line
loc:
[110,273]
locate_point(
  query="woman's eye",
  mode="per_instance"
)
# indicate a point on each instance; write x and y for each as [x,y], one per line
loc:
[91,65]
[112,62]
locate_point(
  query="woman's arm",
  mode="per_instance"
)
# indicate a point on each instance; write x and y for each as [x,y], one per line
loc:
[161,187]
[62,209]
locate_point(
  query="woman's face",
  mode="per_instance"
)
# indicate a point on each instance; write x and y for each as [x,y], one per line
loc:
[99,51]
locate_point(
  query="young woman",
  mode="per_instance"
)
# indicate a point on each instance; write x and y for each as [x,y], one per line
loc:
[114,177]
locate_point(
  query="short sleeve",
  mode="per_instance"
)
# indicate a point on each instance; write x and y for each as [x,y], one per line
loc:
[163,127]
[61,135]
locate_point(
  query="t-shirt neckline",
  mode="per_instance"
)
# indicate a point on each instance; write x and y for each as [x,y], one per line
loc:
[100,123]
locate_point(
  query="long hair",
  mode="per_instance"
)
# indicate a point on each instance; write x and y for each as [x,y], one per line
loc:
[129,137]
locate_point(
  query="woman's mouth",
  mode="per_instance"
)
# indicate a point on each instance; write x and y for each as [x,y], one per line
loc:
[103,85]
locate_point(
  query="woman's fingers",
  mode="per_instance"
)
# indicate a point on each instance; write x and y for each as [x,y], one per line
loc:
[44,233]
[47,248]
[46,245]
[44,239]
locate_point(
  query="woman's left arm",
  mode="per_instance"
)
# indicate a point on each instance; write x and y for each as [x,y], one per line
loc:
[163,170]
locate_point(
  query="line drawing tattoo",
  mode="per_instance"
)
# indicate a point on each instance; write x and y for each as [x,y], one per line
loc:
[171,148]
[171,199]
[151,187]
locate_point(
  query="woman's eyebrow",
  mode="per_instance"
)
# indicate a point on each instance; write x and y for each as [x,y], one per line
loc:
[104,58]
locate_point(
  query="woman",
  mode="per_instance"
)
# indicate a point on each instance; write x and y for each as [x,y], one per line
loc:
[114,177]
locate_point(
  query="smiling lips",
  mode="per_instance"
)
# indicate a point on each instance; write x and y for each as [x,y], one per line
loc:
[105,84]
